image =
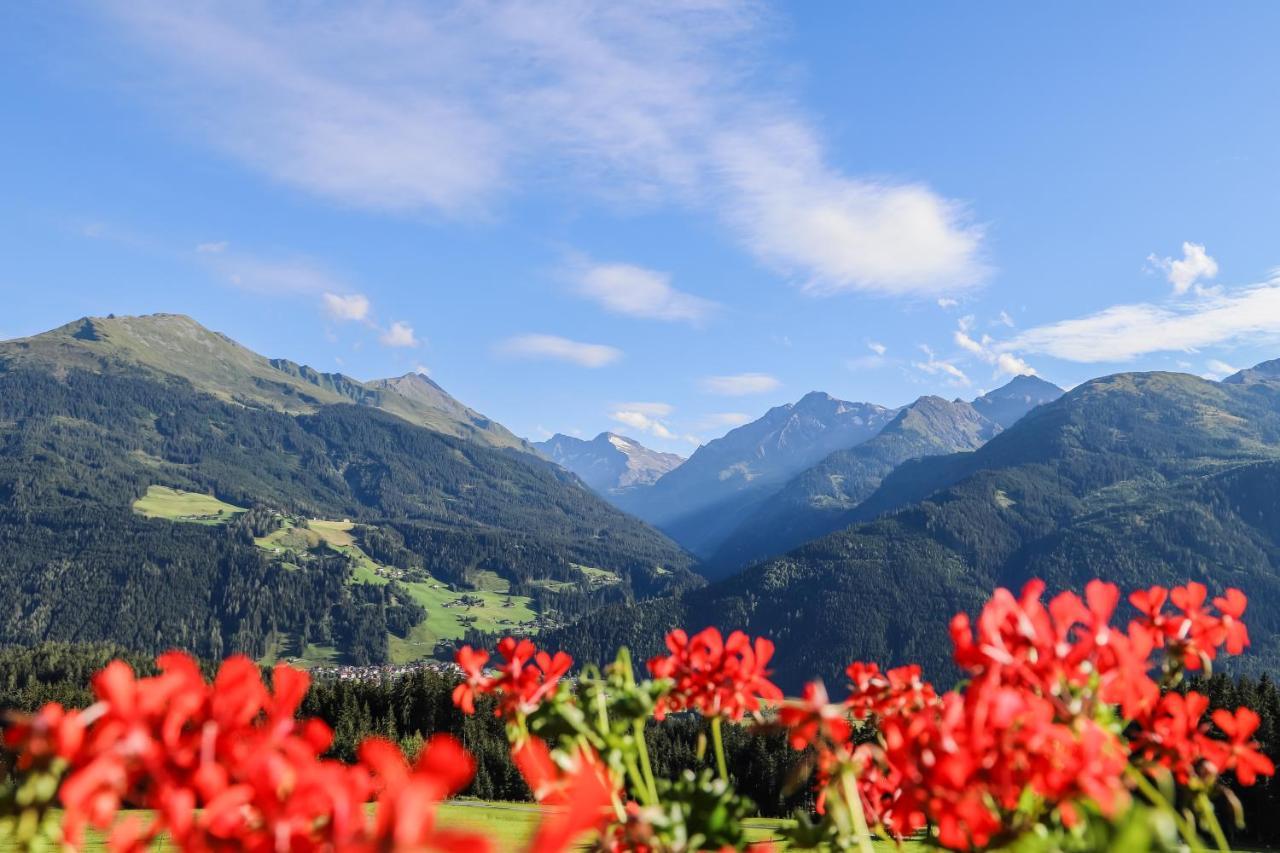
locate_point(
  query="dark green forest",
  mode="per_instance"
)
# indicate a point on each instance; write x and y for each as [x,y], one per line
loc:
[76,563]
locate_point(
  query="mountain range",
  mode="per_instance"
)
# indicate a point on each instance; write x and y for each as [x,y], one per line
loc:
[609,463]
[1139,478]
[699,503]
[161,485]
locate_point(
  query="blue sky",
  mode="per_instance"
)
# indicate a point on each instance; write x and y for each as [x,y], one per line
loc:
[654,218]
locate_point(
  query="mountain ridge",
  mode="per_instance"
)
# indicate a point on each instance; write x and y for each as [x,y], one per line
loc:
[696,503]
[609,463]
[1138,478]
[177,345]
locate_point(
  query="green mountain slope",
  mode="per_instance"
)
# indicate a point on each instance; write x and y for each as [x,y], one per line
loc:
[176,345]
[81,442]
[1136,478]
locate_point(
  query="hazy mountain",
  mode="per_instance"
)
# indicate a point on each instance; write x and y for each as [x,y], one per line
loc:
[94,416]
[176,345]
[699,503]
[1009,403]
[815,501]
[1137,478]
[609,463]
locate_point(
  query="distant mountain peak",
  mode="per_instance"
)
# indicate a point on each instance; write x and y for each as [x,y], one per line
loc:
[609,463]
[1008,403]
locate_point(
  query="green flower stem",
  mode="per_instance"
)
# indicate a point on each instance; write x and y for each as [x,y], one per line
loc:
[718,740]
[638,782]
[1215,828]
[643,747]
[1157,799]
[853,802]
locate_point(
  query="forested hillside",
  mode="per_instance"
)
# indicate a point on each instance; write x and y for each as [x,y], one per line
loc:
[79,446]
[1136,478]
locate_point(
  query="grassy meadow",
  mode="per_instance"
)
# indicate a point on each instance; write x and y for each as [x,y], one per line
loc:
[489,607]
[511,825]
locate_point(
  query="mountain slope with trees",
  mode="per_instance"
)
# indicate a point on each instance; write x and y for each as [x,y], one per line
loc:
[80,442]
[1138,478]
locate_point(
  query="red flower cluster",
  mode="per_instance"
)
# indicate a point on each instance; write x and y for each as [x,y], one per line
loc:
[525,677]
[1035,715]
[580,795]
[226,765]
[714,676]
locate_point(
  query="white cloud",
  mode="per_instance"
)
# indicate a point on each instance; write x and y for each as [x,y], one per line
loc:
[946,302]
[1125,332]
[453,107]
[839,233]
[422,370]
[292,276]
[657,410]
[1216,369]
[877,347]
[639,292]
[937,367]
[555,348]
[399,334]
[354,306]
[1005,320]
[1004,362]
[865,362]
[643,423]
[1194,265]
[740,384]
[212,248]
[722,420]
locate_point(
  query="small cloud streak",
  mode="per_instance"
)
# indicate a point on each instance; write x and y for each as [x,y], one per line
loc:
[639,292]
[400,334]
[556,348]
[937,367]
[739,385]
[354,306]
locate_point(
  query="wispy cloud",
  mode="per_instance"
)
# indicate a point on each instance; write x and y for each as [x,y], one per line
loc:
[877,347]
[739,385]
[638,292]
[1125,332]
[275,276]
[1006,363]
[939,367]
[656,410]
[212,248]
[1194,265]
[722,420]
[1216,369]
[352,306]
[450,108]
[555,348]
[642,422]
[399,334]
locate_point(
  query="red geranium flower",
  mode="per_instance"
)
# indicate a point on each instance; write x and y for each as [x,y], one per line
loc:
[714,676]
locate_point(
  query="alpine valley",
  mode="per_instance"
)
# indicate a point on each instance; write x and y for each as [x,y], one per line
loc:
[162,486]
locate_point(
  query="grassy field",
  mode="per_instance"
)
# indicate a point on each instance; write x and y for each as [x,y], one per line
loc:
[511,825]
[488,608]
[491,607]
[175,505]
